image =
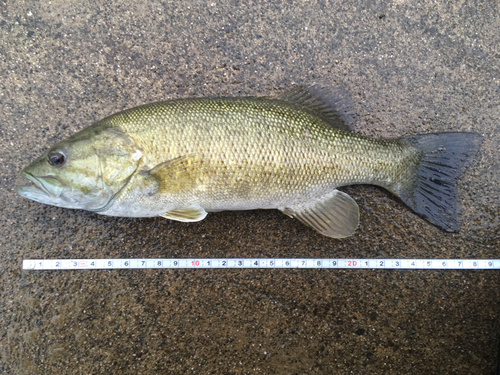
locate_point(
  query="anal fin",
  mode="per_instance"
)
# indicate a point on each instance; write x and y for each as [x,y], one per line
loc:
[334,215]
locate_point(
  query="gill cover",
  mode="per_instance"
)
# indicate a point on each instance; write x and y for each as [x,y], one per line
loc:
[118,157]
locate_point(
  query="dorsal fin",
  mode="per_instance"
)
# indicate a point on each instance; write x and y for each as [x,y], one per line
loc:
[332,104]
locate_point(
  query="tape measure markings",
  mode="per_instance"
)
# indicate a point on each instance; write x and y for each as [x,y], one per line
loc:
[84,264]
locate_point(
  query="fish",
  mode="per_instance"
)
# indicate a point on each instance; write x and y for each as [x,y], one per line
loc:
[183,158]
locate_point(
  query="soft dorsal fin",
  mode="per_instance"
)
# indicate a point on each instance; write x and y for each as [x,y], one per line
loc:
[332,104]
[334,215]
[178,174]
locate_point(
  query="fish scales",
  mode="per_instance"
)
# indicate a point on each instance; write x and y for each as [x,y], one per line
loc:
[260,153]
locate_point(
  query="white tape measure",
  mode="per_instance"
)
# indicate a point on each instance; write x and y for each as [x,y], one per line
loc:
[98,264]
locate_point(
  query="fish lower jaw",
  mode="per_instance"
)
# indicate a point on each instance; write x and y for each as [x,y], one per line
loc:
[33,186]
[33,192]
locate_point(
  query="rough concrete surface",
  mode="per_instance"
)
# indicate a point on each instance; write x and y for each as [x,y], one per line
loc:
[411,67]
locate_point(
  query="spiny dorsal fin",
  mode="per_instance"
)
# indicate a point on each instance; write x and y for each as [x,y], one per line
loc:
[332,104]
[334,215]
[187,214]
[178,174]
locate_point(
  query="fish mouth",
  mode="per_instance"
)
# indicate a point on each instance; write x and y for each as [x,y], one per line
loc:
[43,188]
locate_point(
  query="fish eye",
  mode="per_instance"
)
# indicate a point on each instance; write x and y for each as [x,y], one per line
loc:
[57,158]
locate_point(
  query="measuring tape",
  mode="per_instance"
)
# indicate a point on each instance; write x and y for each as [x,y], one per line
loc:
[99,264]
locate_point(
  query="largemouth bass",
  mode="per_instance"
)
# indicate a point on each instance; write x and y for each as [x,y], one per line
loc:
[180,159]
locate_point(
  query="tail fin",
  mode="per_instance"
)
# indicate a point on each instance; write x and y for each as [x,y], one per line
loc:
[434,194]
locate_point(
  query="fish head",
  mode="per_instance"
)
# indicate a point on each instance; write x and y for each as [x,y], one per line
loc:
[85,171]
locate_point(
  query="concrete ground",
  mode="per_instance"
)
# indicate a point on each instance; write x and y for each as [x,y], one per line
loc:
[411,67]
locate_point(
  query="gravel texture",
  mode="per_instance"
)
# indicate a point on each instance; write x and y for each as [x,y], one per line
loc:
[410,67]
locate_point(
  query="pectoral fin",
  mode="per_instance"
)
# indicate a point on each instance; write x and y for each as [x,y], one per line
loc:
[188,214]
[334,215]
[178,174]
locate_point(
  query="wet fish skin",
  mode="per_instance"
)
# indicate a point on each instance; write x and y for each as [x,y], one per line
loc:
[183,158]
[251,153]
